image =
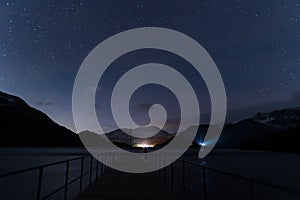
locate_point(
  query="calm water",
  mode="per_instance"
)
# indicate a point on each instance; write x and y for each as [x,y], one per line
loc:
[24,186]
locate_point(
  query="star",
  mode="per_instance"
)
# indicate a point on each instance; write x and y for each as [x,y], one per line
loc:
[250,44]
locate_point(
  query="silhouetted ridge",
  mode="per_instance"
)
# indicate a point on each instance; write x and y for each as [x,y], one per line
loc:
[278,130]
[121,138]
[22,125]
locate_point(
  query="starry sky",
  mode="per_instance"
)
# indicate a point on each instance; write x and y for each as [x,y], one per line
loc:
[255,44]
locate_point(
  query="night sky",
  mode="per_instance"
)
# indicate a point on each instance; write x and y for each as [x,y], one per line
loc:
[255,44]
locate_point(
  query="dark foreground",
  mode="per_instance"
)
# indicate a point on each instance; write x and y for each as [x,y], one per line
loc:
[115,185]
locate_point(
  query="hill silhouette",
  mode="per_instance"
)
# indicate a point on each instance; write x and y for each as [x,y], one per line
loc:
[121,138]
[22,125]
[278,130]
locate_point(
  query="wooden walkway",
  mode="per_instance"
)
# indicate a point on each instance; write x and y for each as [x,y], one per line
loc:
[115,185]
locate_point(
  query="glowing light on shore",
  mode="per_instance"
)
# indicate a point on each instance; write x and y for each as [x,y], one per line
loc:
[144,145]
[202,143]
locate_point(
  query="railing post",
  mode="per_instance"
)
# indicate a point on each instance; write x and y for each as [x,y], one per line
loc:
[250,185]
[251,182]
[156,162]
[67,179]
[204,181]
[164,160]
[113,158]
[159,171]
[91,170]
[103,164]
[164,175]
[97,168]
[81,175]
[107,161]
[41,169]
[183,178]
[172,177]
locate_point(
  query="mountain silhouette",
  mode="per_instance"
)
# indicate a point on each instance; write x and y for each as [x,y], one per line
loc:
[278,130]
[22,125]
[121,138]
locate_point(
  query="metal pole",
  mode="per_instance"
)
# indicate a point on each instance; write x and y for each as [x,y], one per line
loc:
[101,171]
[183,178]
[104,166]
[97,168]
[172,178]
[159,171]
[41,169]
[81,175]
[156,161]
[67,179]
[165,170]
[91,169]
[113,158]
[164,175]
[107,161]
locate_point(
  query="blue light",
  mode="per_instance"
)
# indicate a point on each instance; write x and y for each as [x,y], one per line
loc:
[202,143]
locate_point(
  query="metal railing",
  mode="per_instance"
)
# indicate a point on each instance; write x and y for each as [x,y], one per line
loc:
[41,169]
[162,174]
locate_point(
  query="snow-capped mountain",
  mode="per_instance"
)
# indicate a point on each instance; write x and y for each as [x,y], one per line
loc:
[283,119]
[278,130]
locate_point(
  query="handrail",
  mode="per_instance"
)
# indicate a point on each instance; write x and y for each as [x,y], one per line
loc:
[67,181]
[205,168]
[282,188]
[62,187]
[37,167]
